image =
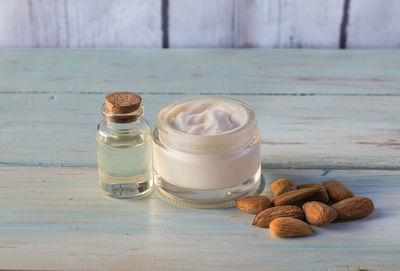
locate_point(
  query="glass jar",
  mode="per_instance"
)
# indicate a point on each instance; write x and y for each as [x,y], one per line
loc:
[124,153]
[206,171]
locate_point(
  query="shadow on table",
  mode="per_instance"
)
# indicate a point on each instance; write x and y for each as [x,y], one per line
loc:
[351,224]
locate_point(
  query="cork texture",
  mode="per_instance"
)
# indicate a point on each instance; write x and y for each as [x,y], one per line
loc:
[122,102]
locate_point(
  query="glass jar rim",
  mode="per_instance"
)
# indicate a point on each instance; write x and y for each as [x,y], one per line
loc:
[228,140]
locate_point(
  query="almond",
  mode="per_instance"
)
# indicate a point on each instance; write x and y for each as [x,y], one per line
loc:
[264,218]
[290,227]
[353,208]
[319,214]
[321,195]
[282,186]
[292,197]
[308,185]
[253,204]
[337,191]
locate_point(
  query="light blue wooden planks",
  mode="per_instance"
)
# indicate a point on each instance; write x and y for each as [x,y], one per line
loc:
[315,72]
[57,218]
[316,109]
[297,131]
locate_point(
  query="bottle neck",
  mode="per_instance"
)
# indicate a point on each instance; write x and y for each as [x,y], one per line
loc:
[123,126]
[122,121]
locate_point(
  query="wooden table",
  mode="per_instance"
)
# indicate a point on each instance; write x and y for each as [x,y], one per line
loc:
[322,114]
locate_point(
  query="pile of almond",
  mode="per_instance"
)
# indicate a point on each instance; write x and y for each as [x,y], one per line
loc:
[321,205]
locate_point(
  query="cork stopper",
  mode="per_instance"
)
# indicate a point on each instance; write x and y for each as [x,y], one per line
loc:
[122,102]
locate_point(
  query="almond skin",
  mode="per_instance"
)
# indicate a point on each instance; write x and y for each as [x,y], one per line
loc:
[264,218]
[308,185]
[290,227]
[253,204]
[337,191]
[321,195]
[292,197]
[319,214]
[353,208]
[282,186]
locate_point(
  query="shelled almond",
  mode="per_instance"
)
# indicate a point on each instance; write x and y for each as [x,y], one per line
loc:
[290,227]
[253,204]
[337,191]
[284,217]
[295,196]
[264,218]
[353,208]
[321,195]
[318,213]
[282,186]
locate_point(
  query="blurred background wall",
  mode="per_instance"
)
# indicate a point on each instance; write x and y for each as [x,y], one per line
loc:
[200,23]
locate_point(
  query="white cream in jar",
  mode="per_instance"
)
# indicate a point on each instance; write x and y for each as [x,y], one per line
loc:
[206,151]
[206,117]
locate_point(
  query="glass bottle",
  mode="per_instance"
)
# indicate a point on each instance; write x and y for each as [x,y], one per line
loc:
[124,150]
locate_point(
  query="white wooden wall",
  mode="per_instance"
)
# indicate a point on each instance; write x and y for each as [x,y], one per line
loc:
[199,23]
